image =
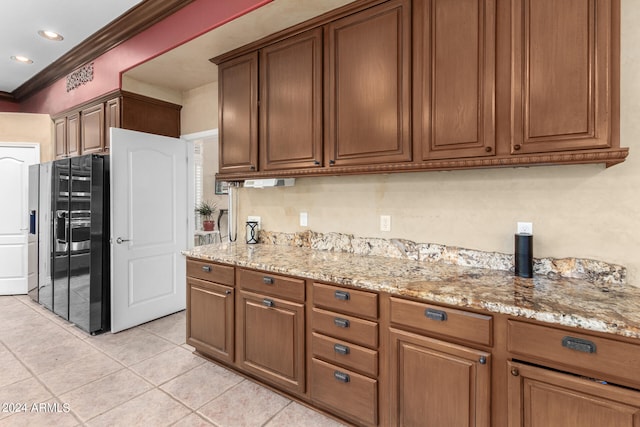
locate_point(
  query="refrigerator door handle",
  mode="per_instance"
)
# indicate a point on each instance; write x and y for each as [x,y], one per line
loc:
[120,240]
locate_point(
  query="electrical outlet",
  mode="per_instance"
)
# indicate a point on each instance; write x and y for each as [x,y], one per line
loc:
[525,228]
[385,222]
[256,219]
[304,219]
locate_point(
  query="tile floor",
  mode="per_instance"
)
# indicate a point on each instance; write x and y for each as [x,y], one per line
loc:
[54,374]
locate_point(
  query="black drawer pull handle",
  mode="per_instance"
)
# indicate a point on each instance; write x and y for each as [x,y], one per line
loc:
[341,349]
[578,344]
[206,268]
[341,376]
[341,323]
[267,280]
[437,315]
[342,295]
[268,303]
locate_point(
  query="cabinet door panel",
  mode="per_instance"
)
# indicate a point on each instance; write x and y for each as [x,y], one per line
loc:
[540,397]
[368,88]
[454,60]
[437,383]
[92,129]
[271,339]
[210,318]
[561,93]
[60,126]
[238,113]
[291,102]
[112,120]
[73,134]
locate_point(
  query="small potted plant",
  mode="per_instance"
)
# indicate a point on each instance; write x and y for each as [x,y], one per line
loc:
[206,210]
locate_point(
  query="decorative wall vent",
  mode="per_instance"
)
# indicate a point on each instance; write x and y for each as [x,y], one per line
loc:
[79,77]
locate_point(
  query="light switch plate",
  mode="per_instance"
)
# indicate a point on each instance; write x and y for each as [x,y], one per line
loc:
[385,222]
[304,219]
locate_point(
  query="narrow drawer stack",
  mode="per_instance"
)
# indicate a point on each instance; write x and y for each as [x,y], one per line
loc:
[344,341]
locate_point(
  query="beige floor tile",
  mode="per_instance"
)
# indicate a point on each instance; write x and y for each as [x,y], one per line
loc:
[200,385]
[25,392]
[104,394]
[51,414]
[153,408]
[78,372]
[43,359]
[296,414]
[247,404]
[167,365]
[29,338]
[193,420]
[11,369]
[137,348]
[172,327]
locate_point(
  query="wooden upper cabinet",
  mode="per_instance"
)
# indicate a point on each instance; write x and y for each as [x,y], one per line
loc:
[291,102]
[60,135]
[368,88]
[562,55]
[73,134]
[112,120]
[92,129]
[454,50]
[238,113]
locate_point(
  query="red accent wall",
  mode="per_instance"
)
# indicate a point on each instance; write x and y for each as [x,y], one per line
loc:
[186,24]
[9,107]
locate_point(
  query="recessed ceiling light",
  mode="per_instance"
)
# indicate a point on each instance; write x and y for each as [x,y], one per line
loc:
[50,35]
[22,59]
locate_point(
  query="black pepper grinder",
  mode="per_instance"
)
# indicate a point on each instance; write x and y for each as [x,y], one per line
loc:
[523,257]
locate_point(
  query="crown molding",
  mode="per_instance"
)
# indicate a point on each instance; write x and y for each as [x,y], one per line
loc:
[6,96]
[136,20]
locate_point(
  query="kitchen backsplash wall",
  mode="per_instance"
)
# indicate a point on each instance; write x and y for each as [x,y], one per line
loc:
[597,272]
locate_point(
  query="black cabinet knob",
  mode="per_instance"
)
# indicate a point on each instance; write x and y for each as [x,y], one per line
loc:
[488,149]
[516,147]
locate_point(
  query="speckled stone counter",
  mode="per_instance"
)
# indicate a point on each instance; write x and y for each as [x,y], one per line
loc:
[564,301]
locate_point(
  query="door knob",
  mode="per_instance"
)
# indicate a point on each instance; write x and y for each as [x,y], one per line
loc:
[120,240]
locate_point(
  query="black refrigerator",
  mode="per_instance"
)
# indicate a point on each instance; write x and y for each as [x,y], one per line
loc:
[77,288]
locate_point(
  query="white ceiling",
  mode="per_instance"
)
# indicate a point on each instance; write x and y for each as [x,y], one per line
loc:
[188,66]
[76,20]
[183,68]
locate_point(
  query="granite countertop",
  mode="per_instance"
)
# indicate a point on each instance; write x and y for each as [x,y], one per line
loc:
[564,301]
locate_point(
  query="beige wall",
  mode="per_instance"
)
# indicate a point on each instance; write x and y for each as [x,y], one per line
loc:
[24,127]
[577,211]
[130,84]
[199,109]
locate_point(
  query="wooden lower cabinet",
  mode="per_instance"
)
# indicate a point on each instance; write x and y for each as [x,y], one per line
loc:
[270,339]
[210,318]
[344,392]
[435,383]
[542,397]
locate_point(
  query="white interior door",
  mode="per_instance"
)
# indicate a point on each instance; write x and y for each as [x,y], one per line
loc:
[14,215]
[148,227]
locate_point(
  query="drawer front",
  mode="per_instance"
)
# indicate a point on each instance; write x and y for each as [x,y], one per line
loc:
[472,327]
[343,300]
[271,284]
[348,328]
[344,392]
[612,359]
[206,270]
[345,354]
